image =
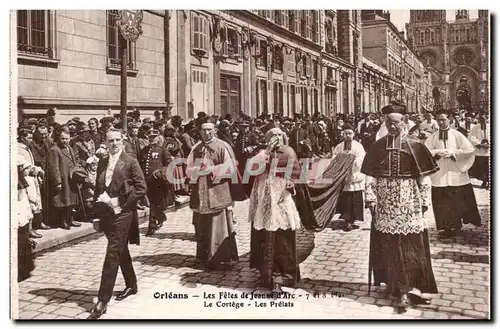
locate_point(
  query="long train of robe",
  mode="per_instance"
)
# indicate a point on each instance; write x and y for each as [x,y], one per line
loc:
[316,202]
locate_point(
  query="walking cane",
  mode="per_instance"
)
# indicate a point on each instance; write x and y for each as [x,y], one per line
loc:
[370,255]
[80,196]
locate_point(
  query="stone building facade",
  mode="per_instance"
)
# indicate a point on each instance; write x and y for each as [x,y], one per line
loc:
[456,53]
[69,60]
[254,61]
[285,62]
[403,77]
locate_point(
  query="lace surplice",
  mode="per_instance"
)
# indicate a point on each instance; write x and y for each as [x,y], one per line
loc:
[399,204]
[265,211]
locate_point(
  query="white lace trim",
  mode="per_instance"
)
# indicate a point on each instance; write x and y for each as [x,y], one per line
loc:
[265,211]
[399,206]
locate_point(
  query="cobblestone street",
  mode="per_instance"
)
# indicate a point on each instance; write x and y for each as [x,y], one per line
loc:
[65,282]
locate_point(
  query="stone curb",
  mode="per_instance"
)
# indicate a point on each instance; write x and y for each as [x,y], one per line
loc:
[57,237]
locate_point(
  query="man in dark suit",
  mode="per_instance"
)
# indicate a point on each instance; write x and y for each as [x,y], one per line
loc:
[120,184]
[367,131]
[61,162]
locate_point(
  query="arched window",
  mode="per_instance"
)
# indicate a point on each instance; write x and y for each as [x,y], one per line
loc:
[468,34]
[432,37]
[438,35]
[427,36]
[422,41]
[451,34]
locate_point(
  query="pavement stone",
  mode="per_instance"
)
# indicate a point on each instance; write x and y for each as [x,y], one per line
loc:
[334,269]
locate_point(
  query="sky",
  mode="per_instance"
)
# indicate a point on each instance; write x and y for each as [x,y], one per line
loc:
[401,17]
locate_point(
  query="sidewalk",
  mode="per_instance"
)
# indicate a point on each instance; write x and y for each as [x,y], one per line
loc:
[56,237]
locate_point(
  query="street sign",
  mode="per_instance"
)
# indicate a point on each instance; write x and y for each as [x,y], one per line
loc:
[129,22]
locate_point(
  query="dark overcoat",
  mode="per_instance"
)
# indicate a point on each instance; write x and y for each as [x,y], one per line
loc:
[59,166]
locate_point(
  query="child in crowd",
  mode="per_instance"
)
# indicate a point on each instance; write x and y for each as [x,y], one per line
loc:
[89,186]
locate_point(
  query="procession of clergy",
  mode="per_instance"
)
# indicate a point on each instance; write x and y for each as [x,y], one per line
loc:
[395,166]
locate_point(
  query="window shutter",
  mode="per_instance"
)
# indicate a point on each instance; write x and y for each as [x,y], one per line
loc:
[284,18]
[308,66]
[194,24]
[308,24]
[316,25]
[296,21]
[199,33]
[282,107]
[225,50]
[269,14]
[205,34]
[238,44]
[256,48]
[298,102]
[269,56]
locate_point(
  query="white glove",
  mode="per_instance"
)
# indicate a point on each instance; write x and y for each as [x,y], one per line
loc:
[113,202]
[104,198]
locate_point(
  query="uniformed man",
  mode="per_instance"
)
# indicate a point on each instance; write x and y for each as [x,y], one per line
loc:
[154,160]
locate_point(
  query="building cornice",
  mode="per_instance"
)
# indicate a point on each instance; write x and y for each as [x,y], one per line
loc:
[337,60]
[160,13]
[29,100]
